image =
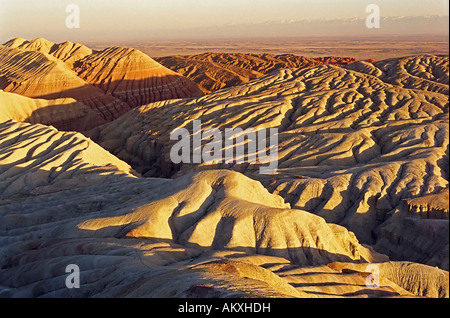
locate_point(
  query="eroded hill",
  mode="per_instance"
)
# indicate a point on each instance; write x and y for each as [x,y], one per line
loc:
[214,71]
[353,148]
[206,234]
[357,205]
[110,82]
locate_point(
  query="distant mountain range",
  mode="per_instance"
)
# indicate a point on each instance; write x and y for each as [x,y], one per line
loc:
[413,25]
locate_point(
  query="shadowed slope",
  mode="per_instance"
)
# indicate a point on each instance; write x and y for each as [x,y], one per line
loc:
[39,75]
[110,82]
[64,113]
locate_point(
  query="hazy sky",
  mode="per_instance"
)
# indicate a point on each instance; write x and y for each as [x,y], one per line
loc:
[101,19]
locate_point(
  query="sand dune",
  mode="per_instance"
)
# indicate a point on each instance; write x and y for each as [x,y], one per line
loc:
[207,234]
[214,71]
[63,113]
[133,77]
[39,75]
[110,82]
[352,146]
[358,206]
[428,73]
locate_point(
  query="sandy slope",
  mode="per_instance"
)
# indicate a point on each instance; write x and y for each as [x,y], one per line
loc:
[207,234]
[353,147]
[133,77]
[362,170]
[68,52]
[214,71]
[39,75]
[63,113]
[110,82]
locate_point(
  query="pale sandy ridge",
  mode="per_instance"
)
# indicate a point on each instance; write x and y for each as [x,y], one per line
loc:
[214,71]
[63,113]
[110,81]
[207,234]
[353,147]
[39,75]
[365,147]
[68,52]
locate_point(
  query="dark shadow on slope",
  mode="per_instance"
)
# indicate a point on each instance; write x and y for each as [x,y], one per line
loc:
[67,117]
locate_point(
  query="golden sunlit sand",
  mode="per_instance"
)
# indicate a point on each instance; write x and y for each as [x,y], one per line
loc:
[86,176]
